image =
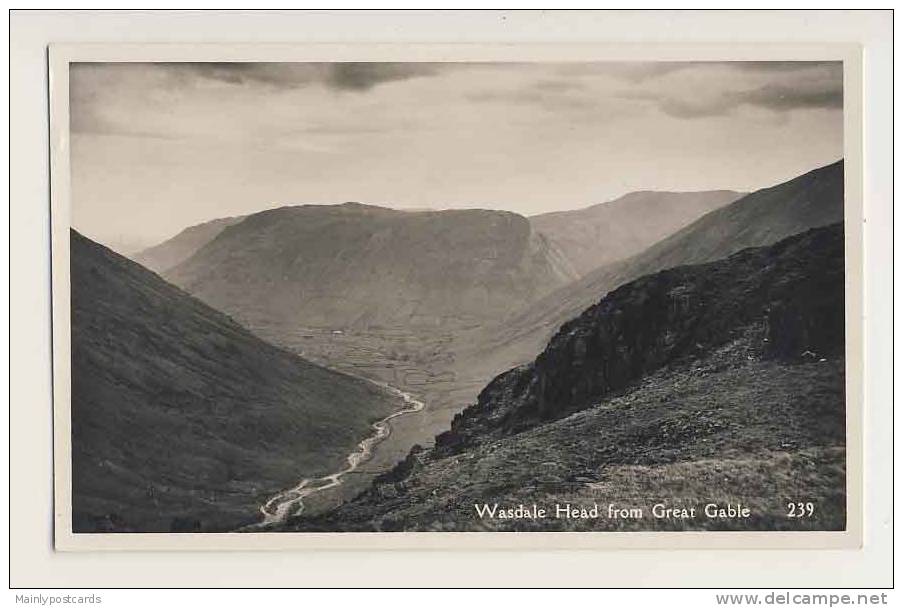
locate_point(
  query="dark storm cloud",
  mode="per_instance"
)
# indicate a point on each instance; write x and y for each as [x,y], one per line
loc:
[338,76]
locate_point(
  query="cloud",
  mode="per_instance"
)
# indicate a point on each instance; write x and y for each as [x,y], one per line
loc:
[534,98]
[630,71]
[92,84]
[785,66]
[774,97]
[337,76]
[721,88]
[364,76]
[95,123]
[550,94]
[782,97]
[225,101]
[681,89]
[558,85]
[640,72]
[155,99]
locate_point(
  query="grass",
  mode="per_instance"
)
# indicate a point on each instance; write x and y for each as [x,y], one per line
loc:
[727,429]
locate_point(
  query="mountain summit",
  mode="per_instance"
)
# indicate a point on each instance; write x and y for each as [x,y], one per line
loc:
[357,265]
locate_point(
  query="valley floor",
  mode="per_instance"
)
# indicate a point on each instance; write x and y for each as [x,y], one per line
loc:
[422,363]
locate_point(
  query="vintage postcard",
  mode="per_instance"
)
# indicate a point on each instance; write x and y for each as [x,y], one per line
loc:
[456,296]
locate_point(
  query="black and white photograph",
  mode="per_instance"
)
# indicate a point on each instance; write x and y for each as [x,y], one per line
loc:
[455,297]
[587,305]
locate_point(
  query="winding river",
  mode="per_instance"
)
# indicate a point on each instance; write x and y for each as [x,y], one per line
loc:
[291,502]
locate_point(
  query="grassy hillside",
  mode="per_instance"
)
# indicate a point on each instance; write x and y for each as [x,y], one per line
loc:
[179,248]
[362,266]
[618,229]
[181,419]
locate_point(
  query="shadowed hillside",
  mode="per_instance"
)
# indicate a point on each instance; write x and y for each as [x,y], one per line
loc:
[601,234]
[181,419]
[718,382]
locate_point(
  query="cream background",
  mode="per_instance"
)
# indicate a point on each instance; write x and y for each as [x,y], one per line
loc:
[35,563]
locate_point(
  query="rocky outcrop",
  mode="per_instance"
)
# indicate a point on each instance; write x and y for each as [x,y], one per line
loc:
[788,297]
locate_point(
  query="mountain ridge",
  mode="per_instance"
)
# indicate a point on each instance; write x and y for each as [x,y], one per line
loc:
[605,232]
[760,218]
[173,251]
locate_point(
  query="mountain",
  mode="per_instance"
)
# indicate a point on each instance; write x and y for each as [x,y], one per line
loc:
[721,382]
[364,266]
[601,234]
[757,219]
[182,419]
[174,251]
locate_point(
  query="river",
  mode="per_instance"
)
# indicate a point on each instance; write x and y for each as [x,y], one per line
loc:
[290,502]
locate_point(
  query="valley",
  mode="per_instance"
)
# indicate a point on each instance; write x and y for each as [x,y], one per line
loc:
[422,365]
[390,321]
[452,295]
[417,316]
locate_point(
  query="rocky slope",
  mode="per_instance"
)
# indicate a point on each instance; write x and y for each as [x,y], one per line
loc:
[362,266]
[790,293]
[618,229]
[183,420]
[179,248]
[718,382]
[757,219]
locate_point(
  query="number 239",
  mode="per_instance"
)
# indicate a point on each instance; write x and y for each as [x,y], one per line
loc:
[800,509]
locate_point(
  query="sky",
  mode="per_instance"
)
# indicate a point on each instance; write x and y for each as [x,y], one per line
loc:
[159,147]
